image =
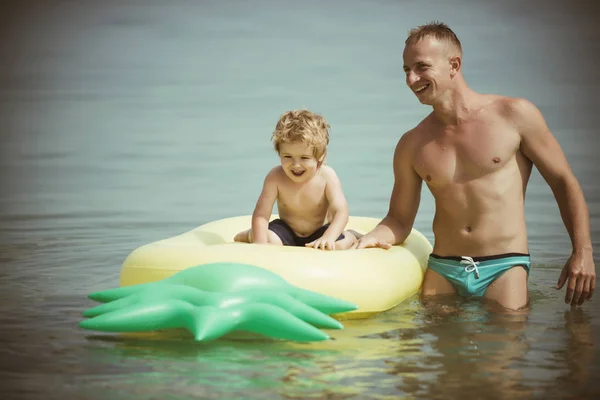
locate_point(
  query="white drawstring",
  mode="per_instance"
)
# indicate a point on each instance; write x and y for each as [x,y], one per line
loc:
[472,265]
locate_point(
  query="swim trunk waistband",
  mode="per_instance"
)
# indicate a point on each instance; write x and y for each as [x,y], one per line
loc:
[481,258]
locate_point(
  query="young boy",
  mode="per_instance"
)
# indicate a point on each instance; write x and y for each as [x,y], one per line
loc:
[312,208]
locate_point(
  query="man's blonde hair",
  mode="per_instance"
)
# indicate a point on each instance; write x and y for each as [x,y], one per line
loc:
[437,30]
[302,126]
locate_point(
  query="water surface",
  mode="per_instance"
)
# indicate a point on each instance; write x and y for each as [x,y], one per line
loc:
[123,123]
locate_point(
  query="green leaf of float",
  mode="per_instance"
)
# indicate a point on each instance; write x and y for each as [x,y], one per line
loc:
[199,297]
[206,322]
[232,277]
[105,296]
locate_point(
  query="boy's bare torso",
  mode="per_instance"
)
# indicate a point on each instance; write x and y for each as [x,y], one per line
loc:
[304,207]
[478,177]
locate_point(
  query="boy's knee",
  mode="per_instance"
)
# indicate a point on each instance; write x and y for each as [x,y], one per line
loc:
[353,233]
[347,242]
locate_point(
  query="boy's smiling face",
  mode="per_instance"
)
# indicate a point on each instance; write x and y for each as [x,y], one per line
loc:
[298,161]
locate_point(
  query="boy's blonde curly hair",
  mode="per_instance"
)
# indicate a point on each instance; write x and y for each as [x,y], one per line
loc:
[302,126]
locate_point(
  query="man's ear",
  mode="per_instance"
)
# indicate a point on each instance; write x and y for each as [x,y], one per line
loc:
[455,64]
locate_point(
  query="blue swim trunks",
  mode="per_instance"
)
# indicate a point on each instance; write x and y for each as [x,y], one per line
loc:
[472,275]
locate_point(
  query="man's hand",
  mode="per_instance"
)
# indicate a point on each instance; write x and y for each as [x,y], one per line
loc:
[370,242]
[580,273]
[323,243]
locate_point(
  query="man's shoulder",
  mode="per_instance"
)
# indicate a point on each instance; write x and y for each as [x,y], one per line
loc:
[512,107]
[412,137]
[520,113]
[424,125]
[409,143]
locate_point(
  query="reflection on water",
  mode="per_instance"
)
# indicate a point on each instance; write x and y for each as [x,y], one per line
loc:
[123,123]
[449,349]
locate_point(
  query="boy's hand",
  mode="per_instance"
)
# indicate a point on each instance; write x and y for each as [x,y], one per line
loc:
[323,243]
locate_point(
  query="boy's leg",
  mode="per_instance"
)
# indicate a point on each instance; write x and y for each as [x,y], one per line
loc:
[350,237]
[272,238]
[357,235]
[243,236]
[246,237]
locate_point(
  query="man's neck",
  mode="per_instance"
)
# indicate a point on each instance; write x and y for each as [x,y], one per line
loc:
[455,106]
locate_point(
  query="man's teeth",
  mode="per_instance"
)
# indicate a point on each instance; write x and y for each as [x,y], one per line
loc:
[421,88]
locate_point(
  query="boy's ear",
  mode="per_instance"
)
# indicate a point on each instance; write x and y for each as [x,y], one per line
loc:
[321,160]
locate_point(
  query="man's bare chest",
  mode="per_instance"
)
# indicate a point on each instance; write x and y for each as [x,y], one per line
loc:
[468,153]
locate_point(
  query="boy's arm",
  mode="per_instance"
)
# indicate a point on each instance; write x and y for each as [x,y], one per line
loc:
[539,145]
[264,208]
[404,201]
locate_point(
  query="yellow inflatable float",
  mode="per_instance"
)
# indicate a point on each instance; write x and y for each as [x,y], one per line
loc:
[374,279]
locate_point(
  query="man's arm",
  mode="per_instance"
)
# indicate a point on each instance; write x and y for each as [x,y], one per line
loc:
[404,201]
[264,208]
[539,145]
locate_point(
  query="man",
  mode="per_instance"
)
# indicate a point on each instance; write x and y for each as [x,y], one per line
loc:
[475,152]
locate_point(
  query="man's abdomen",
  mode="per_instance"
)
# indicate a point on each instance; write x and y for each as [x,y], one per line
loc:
[487,235]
